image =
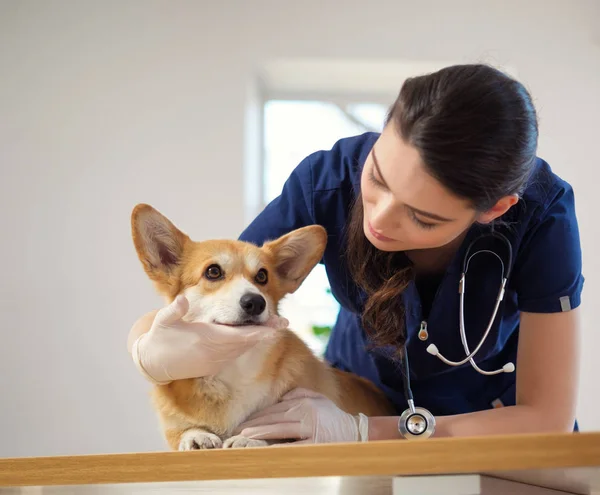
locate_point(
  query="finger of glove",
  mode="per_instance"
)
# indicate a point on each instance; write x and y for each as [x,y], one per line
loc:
[173,312]
[215,351]
[301,393]
[297,442]
[223,334]
[221,353]
[277,431]
[269,419]
[297,405]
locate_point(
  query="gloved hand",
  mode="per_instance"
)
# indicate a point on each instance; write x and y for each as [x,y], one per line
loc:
[305,415]
[174,349]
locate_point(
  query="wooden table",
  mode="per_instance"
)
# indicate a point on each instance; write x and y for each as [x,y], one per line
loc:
[515,465]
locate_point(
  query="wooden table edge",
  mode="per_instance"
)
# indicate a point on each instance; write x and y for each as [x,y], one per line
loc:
[385,458]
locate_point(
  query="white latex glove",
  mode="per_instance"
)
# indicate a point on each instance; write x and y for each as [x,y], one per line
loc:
[307,416]
[174,349]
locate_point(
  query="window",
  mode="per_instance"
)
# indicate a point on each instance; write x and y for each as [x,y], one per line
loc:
[293,129]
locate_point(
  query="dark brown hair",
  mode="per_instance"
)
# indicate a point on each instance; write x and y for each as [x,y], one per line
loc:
[476,131]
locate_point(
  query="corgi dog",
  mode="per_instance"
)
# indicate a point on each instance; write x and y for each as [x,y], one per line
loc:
[237,283]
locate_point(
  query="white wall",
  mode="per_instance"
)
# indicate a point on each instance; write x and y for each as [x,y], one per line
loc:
[106,104]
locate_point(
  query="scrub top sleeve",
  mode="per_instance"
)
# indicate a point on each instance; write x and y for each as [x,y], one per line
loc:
[292,209]
[548,268]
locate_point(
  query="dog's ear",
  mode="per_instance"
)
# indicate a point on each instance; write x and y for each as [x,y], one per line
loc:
[159,244]
[296,254]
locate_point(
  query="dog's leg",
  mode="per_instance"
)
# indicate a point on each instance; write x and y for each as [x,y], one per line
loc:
[197,439]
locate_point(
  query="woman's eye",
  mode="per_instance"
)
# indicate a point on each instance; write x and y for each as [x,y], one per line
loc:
[214,272]
[423,225]
[262,277]
[374,180]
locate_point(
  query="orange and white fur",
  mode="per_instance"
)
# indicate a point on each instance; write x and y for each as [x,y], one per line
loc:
[235,283]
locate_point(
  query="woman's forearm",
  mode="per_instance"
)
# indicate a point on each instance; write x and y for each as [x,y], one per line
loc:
[505,420]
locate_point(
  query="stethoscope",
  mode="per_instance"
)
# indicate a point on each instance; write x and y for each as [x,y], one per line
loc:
[416,422]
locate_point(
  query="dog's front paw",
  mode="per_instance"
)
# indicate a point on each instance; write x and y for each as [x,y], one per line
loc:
[197,439]
[240,442]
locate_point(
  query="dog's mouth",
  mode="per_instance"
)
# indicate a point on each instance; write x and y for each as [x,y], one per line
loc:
[239,323]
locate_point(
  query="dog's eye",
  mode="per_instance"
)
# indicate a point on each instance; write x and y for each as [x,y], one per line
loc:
[214,272]
[262,277]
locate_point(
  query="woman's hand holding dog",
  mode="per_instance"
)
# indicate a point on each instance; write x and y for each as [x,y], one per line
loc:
[304,416]
[174,349]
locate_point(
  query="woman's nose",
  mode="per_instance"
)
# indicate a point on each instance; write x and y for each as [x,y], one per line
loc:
[384,217]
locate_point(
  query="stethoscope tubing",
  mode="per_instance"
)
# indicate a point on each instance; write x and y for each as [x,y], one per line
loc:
[427,428]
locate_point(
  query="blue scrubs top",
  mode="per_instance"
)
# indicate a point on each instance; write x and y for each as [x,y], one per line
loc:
[546,278]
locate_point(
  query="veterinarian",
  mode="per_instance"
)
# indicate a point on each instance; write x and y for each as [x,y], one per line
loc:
[456,160]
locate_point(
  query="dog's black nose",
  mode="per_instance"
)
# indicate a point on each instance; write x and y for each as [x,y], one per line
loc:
[253,304]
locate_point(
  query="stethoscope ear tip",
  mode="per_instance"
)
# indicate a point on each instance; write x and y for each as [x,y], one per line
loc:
[508,368]
[432,349]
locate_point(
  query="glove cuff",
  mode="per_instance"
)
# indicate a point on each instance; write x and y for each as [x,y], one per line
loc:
[136,355]
[363,427]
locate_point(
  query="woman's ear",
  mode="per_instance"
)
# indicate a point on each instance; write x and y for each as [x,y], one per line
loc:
[500,208]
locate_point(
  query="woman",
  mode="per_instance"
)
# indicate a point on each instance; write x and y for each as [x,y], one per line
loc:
[456,159]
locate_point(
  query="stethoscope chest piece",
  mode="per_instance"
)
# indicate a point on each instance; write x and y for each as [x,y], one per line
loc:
[416,423]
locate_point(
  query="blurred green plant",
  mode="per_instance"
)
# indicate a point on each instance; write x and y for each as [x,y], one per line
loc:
[322,332]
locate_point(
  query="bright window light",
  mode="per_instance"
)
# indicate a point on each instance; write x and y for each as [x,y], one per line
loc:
[293,129]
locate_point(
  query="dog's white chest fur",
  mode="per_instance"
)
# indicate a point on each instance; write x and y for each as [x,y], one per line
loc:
[239,381]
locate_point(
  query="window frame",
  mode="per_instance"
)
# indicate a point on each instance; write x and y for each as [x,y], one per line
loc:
[337,98]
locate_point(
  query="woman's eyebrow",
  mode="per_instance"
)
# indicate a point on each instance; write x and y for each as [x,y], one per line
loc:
[376,165]
[427,214]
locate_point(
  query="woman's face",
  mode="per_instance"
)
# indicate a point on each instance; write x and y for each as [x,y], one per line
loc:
[405,208]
